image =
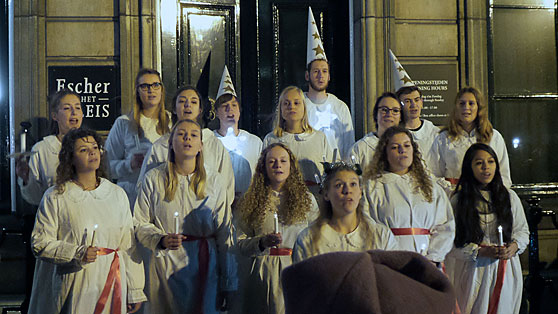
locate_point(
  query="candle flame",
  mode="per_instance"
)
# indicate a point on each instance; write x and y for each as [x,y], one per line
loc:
[95,226]
[175,214]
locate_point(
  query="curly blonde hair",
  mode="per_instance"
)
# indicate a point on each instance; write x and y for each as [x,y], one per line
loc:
[255,203]
[279,122]
[482,124]
[421,180]
[326,209]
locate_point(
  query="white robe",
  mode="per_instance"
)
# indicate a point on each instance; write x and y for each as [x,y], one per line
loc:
[121,147]
[377,237]
[446,156]
[244,151]
[173,280]
[215,158]
[42,169]
[424,136]
[392,201]
[473,277]
[363,151]
[59,240]
[262,291]
[334,119]
[310,149]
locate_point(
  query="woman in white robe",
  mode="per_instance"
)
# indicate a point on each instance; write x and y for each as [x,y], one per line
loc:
[187,105]
[276,207]
[84,228]
[342,226]
[291,128]
[183,217]
[132,135]
[482,259]
[401,195]
[387,113]
[468,124]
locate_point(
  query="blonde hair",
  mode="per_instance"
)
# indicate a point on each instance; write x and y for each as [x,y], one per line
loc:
[255,203]
[421,180]
[326,210]
[163,119]
[279,122]
[482,124]
[197,184]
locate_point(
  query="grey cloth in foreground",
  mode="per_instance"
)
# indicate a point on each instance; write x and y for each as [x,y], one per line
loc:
[370,282]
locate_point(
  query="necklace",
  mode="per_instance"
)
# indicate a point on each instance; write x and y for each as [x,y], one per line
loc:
[87,188]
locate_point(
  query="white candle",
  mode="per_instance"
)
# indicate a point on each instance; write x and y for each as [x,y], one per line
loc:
[176,222]
[334,155]
[276,222]
[353,159]
[317,177]
[23,141]
[136,139]
[500,236]
[93,237]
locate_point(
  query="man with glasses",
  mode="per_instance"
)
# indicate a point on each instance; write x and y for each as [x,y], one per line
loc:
[387,113]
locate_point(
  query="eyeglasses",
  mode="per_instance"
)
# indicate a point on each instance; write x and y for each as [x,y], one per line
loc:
[155,86]
[385,110]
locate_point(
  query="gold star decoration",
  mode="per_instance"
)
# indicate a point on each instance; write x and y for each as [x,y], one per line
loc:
[228,89]
[228,81]
[406,79]
[318,50]
[316,35]
[313,22]
[400,68]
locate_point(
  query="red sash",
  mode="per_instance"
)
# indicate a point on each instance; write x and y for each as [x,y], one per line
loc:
[453,181]
[280,251]
[410,231]
[203,269]
[310,183]
[113,278]
[495,297]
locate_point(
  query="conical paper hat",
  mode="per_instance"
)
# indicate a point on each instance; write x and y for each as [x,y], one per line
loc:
[226,86]
[314,47]
[398,74]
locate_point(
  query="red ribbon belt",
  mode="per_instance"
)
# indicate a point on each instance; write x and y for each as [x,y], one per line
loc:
[310,183]
[495,297]
[280,251]
[410,231]
[453,181]
[203,269]
[113,277]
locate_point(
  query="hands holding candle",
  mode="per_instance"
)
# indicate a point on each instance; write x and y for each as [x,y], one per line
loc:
[502,251]
[272,239]
[91,252]
[174,240]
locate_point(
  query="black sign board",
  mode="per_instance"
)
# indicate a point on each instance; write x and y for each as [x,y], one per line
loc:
[438,85]
[99,88]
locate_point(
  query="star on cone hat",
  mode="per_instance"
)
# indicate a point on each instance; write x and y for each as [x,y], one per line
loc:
[314,47]
[398,74]
[226,86]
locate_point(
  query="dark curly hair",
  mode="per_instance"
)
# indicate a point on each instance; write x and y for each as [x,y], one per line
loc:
[380,163]
[66,170]
[255,203]
[467,220]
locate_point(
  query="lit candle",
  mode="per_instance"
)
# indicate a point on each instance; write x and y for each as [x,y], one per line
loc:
[23,141]
[317,177]
[276,219]
[500,236]
[176,222]
[93,237]
[353,159]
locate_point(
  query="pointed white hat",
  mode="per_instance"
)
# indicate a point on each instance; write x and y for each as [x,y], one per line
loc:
[314,47]
[398,74]
[226,86]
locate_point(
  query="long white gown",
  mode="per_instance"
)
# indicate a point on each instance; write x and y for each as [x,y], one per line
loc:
[392,201]
[446,156]
[424,136]
[121,146]
[42,169]
[261,291]
[215,157]
[368,235]
[363,150]
[244,151]
[334,119]
[173,274]
[474,277]
[63,231]
[310,149]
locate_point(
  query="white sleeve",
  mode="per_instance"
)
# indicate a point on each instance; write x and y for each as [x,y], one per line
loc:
[147,233]
[520,229]
[347,139]
[504,160]
[469,252]
[443,232]
[300,250]
[44,238]
[435,159]
[225,169]
[33,191]
[116,151]
[148,164]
